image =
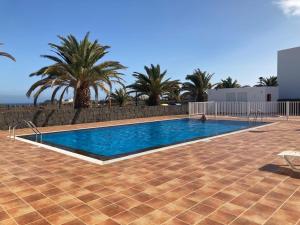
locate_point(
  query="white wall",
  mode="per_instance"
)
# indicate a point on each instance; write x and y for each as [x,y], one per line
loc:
[288,72]
[251,94]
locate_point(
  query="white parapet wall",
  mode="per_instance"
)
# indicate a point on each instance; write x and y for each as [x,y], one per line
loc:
[246,94]
[288,72]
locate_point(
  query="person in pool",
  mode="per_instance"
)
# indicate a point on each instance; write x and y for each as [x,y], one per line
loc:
[203,117]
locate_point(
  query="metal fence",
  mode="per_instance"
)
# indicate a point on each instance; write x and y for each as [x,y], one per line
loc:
[245,109]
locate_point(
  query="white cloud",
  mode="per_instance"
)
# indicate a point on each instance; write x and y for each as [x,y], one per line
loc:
[290,7]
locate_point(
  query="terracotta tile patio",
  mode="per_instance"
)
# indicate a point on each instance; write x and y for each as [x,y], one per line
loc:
[235,179]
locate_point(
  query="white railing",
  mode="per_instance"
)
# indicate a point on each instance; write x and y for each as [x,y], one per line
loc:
[245,109]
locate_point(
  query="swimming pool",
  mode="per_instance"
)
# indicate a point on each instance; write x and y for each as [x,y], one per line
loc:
[106,143]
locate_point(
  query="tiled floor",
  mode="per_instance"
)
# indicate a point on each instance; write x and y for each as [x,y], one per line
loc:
[236,179]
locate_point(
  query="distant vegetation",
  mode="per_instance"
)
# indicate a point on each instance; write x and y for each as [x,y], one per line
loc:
[267,81]
[120,96]
[228,83]
[175,94]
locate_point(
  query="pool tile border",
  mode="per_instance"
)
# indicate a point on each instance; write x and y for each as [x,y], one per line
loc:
[134,155]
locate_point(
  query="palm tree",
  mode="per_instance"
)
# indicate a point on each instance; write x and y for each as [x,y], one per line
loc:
[152,84]
[174,94]
[7,55]
[228,83]
[121,96]
[267,81]
[76,67]
[197,86]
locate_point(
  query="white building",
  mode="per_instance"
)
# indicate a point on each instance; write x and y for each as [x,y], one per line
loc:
[288,76]
[288,72]
[245,94]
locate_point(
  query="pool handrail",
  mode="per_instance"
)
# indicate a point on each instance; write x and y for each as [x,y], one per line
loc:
[30,124]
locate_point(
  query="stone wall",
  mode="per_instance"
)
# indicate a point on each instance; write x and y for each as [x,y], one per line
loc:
[48,117]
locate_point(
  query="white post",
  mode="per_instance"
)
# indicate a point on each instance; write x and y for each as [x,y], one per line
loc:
[216,110]
[189,109]
[287,110]
[14,133]
[248,109]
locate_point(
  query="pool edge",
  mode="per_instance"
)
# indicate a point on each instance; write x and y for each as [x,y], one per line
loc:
[103,162]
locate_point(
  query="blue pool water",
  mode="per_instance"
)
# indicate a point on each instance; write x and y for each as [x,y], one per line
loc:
[116,141]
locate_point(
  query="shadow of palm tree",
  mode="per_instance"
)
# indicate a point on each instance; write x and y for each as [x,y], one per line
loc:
[48,116]
[36,117]
[76,116]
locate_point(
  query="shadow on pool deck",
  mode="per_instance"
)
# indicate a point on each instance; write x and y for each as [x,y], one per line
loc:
[281,170]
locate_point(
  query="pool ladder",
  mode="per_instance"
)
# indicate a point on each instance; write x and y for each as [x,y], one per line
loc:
[256,115]
[30,124]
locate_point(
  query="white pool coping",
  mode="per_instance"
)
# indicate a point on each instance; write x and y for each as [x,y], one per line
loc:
[103,162]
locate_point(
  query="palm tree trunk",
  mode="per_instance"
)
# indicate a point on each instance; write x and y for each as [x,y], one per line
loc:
[83,97]
[201,97]
[153,100]
[109,102]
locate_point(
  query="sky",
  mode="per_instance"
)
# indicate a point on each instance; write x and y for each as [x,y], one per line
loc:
[225,37]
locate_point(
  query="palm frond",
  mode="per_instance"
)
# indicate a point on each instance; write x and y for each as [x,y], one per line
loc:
[5,54]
